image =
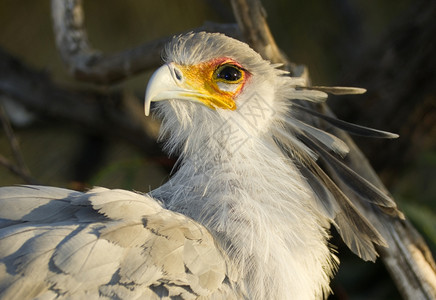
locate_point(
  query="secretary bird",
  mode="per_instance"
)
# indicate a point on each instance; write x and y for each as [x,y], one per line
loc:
[247,214]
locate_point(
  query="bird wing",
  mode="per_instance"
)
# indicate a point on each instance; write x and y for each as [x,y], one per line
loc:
[104,243]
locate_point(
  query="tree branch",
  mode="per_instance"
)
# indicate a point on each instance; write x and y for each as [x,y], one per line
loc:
[110,114]
[88,64]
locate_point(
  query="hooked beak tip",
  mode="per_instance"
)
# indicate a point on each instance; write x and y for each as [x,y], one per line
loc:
[160,82]
[147,107]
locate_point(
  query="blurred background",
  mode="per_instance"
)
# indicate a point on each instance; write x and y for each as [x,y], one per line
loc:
[384,46]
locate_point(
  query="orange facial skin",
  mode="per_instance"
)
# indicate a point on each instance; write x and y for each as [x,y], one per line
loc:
[212,91]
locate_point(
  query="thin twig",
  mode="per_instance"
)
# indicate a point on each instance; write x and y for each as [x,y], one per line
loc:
[16,170]
[13,141]
[19,168]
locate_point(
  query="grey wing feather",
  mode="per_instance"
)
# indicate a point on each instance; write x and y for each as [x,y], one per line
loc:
[356,231]
[337,90]
[310,148]
[349,127]
[329,140]
[32,202]
[111,244]
[357,184]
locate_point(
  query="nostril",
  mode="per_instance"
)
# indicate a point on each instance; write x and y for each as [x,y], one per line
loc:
[178,74]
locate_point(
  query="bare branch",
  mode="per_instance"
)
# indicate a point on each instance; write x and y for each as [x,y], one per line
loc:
[88,64]
[37,92]
[408,258]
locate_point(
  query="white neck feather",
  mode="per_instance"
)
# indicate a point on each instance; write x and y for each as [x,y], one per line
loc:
[259,208]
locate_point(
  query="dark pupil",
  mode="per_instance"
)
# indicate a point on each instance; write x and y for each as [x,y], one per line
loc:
[229,73]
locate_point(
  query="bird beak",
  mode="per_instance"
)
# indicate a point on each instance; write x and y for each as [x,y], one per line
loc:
[172,81]
[167,83]
[161,86]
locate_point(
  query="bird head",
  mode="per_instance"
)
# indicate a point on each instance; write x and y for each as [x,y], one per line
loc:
[211,81]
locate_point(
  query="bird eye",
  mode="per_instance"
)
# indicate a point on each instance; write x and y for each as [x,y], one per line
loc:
[229,73]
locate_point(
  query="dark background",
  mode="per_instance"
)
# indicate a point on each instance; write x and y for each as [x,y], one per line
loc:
[385,46]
